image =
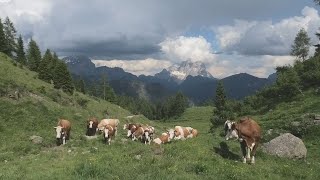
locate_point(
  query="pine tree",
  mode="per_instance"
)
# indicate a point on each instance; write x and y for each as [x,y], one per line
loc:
[3,41]
[21,56]
[220,113]
[82,86]
[300,47]
[10,35]
[44,71]
[33,56]
[62,78]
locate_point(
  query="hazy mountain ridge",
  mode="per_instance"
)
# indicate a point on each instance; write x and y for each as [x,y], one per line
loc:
[198,84]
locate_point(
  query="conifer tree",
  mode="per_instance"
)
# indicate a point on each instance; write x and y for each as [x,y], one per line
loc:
[3,41]
[10,35]
[21,56]
[82,86]
[44,71]
[62,78]
[33,56]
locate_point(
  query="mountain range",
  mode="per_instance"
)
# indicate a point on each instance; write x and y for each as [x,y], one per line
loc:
[191,78]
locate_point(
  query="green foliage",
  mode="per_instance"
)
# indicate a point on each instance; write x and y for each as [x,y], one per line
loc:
[222,111]
[300,47]
[10,35]
[62,78]
[3,42]
[33,56]
[288,83]
[44,71]
[21,56]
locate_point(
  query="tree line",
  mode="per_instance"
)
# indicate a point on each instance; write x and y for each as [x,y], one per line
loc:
[49,67]
[53,70]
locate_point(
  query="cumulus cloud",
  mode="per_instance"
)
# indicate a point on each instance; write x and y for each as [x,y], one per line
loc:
[147,66]
[266,37]
[187,48]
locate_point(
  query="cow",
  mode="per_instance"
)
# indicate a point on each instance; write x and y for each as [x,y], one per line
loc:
[131,127]
[248,132]
[113,122]
[165,137]
[144,133]
[109,133]
[63,131]
[92,125]
[184,132]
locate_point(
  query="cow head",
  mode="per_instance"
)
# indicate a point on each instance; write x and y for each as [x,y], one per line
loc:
[60,135]
[170,132]
[146,136]
[91,129]
[231,130]
[107,133]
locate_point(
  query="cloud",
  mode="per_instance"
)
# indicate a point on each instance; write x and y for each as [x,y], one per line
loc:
[147,67]
[266,37]
[187,48]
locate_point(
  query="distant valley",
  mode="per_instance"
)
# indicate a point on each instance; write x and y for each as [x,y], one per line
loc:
[191,78]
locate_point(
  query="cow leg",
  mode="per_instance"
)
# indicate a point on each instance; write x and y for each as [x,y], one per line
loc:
[254,153]
[64,140]
[243,150]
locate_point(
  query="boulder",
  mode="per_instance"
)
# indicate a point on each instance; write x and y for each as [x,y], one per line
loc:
[286,145]
[36,139]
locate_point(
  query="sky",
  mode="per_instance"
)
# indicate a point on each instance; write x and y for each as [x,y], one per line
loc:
[145,36]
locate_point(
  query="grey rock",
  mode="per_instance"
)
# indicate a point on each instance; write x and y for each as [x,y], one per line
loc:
[286,145]
[36,139]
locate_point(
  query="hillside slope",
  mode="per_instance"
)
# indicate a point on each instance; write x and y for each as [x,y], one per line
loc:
[204,157]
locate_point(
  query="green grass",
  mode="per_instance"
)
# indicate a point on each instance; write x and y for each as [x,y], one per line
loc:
[205,157]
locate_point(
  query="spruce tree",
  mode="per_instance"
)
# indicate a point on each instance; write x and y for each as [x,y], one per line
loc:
[62,78]
[21,56]
[33,56]
[10,35]
[220,113]
[82,86]
[44,71]
[3,41]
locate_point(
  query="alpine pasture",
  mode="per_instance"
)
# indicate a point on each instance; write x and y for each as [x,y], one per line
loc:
[207,156]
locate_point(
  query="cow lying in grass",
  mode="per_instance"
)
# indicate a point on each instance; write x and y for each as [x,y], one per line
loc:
[109,133]
[92,125]
[63,131]
[248,132]
[165,137]
[184,132]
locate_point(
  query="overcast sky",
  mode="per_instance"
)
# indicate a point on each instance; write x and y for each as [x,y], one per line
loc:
[145,36]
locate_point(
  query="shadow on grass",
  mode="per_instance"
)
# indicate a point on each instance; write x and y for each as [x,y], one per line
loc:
[224,152]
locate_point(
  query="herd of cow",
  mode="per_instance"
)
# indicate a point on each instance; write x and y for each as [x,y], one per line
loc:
[246,131]
[136,131]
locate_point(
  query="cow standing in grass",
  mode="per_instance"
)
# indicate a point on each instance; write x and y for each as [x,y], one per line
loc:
[248,132]
[63,131]
[92,125]
[131,127]
[112,122]
[143,133]
[109,133]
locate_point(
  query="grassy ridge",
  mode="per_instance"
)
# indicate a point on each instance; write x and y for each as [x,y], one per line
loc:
[204,157]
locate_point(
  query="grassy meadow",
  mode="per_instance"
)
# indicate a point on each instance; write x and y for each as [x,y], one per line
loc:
[206,157]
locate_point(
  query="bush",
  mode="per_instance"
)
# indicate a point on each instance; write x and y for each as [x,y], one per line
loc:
[82,102]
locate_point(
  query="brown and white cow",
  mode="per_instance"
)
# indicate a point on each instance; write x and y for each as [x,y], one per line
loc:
[248,132]
[184,132]
[109,132]
[143,133]
[113,122]
[165,137]
[63,131]
[131,127]
[92,125]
